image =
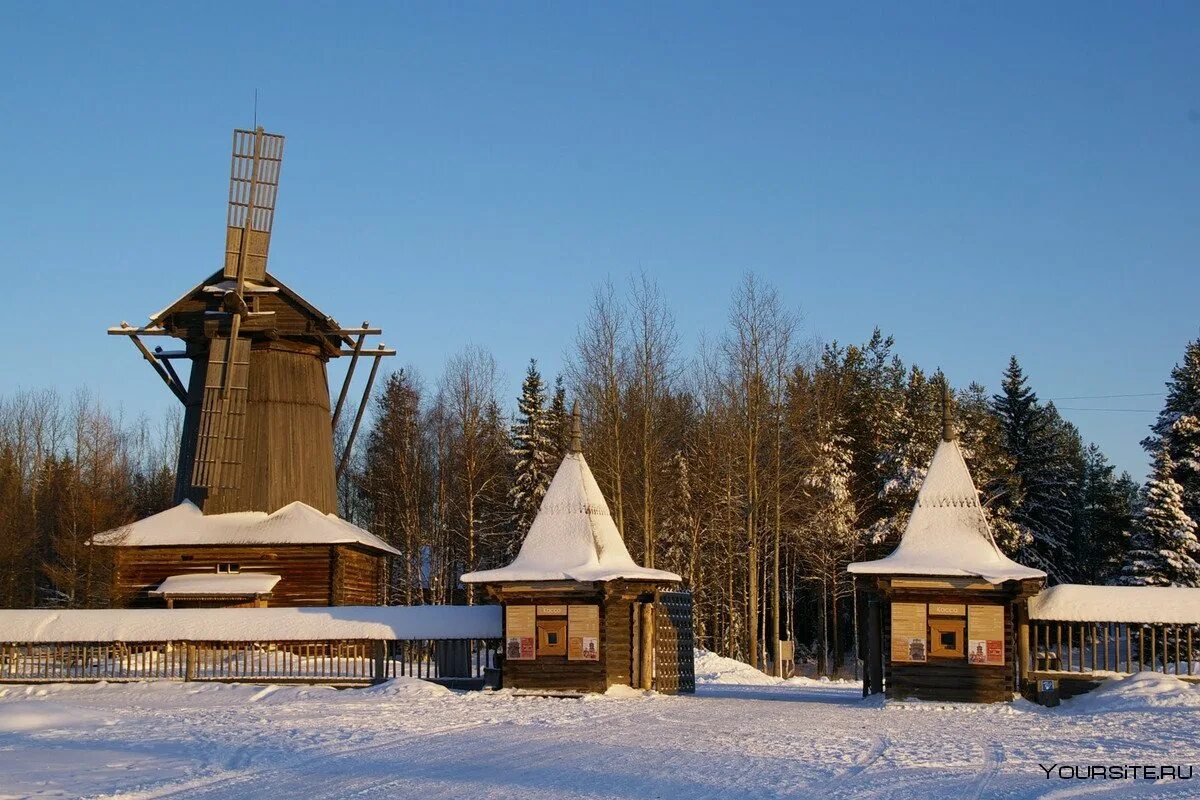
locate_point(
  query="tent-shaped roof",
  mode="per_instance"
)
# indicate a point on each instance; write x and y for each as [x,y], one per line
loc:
[947,533]
[573,537]
[295,523]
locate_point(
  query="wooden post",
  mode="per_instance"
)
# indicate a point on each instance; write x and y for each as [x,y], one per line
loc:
[635,624]
[379,653]
[189,662]
[1023,644]
[647,646]
[873,683]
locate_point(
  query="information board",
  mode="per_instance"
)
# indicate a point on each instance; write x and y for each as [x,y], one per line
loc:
[908,632]
[985,634]
[520,632]
[583,633]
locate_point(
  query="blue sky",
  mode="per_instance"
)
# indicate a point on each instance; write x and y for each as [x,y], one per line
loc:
[975,181]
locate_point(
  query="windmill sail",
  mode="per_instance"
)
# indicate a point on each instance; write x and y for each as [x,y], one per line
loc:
[253,185]
[222,430]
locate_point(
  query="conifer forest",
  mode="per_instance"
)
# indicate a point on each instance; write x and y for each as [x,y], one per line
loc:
[756,464]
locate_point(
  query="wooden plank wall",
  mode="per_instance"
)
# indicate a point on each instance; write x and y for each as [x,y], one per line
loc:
[556,673]
[288,450]
[953,680]
[305,570]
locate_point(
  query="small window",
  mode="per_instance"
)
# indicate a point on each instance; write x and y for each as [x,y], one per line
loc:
[551,637]
[226,567]
[949,640]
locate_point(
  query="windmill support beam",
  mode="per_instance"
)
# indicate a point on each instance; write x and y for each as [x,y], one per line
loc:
[173,384]
[382,351]
[162,357]
[362,407]
[362,337]
[128,330]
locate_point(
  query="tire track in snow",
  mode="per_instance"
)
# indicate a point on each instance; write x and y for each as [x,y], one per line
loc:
[847,778]
[993,757]
[226,779]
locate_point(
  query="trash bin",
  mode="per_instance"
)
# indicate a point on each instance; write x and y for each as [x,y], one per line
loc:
[1047,692]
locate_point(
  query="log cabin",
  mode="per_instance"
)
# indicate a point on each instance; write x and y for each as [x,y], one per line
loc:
[941,608]
[295,556]
[579,614]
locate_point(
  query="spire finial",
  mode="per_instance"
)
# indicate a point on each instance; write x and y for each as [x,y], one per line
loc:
[948,432]
[576,429]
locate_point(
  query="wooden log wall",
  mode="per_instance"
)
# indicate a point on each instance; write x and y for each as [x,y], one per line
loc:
[357,576]
[307,572]
[618,601]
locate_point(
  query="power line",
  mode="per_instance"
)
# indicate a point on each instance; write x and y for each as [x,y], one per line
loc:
[1107,396]
[1132,410]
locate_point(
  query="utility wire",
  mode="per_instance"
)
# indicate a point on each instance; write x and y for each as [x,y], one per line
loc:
[1132,410]
[1107,396]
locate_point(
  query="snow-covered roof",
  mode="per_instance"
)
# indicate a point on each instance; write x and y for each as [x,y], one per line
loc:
[251,624]
[1172,605]
[573,537]
[947,533]
[295,523]
[213,583]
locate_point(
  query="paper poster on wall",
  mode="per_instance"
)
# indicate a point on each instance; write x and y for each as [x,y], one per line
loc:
[583,633]
[908,632]
[520,631]
[985,634]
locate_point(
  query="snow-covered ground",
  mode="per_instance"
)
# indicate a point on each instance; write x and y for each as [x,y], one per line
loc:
[743,735]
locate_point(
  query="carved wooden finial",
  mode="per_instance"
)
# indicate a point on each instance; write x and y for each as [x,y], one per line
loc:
[576,429]
[948,432]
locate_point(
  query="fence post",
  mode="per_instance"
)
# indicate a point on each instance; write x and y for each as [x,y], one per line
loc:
[189,661]
[379,653]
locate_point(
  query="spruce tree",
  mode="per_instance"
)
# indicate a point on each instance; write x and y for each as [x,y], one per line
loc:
[1046,452]
[532,450]
[1163,550]
[1105,518]
[558,420]
[1178,428]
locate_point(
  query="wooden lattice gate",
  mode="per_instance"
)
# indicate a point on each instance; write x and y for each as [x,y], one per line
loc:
[674,643]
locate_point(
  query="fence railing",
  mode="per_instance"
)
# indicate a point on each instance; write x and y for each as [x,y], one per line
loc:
[339,662]
[1086,648]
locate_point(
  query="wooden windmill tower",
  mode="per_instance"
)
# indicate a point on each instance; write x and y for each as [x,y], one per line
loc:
[257,430]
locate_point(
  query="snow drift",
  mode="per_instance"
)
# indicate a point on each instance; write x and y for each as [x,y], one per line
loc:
[1143,691]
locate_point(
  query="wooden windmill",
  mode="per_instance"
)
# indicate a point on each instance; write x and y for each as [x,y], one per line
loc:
[257,430]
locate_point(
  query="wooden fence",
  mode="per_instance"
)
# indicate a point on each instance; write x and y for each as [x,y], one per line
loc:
[335,662]
[1088,649]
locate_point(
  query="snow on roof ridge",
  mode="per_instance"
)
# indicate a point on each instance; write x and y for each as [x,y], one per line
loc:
[573,536]
[217,583]
[947,533]
[1069,602]
[294,523]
